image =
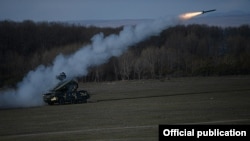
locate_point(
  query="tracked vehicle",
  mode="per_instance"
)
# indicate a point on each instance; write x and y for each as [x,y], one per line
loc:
[66,92]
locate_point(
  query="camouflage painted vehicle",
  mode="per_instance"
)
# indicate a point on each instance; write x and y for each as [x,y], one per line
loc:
[66,92]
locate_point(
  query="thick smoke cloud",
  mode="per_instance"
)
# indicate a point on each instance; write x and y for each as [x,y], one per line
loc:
[29,91]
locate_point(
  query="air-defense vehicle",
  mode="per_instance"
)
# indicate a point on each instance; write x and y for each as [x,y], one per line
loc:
[66,92]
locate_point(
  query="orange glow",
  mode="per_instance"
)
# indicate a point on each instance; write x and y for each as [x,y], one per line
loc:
[187,16]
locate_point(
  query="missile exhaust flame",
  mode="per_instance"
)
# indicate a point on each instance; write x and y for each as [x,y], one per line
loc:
[187,16]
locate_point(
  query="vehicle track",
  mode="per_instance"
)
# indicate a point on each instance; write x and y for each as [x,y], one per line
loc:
[170,95]
[111,129]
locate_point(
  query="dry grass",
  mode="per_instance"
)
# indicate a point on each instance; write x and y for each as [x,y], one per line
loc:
[132,110]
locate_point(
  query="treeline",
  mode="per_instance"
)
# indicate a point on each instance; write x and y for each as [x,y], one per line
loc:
[178,51]
[25,45]
[193,50]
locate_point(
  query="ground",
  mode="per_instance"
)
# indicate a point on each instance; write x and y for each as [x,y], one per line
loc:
[132,110]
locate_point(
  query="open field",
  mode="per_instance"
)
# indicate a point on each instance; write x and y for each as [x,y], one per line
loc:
[132,110]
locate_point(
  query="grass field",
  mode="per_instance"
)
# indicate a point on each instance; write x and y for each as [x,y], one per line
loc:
[132,110]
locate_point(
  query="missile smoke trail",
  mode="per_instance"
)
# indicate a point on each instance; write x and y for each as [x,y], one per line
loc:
[29,91]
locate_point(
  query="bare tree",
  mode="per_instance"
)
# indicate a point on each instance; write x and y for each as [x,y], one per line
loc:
[139,66]
[149,56]
[126,63]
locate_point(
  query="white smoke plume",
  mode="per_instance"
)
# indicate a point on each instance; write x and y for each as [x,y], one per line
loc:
[29,91]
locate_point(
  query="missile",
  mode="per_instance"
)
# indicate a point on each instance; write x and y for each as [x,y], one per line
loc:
[203,12]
